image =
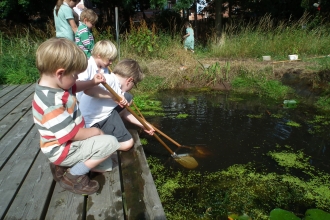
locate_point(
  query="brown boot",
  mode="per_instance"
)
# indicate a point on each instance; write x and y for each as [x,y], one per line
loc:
[80,184]
[57,171]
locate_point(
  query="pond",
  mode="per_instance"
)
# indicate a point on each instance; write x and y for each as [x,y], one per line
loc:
[230,130]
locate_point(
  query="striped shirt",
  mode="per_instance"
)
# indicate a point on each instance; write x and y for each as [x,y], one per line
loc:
[58,119]
[84,39]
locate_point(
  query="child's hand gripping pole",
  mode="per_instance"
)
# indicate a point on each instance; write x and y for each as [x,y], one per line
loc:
[138,118]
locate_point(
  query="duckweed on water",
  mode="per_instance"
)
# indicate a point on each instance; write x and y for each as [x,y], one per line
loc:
[276,115]
[320,124]
[293,124]
[240,189]
[255,116]
[143,141]
[182,116]
[148,106]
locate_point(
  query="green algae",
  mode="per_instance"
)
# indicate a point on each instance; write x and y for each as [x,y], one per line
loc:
[293,124]
[276,115]
[182,116]
[143,141]
[241,189]
[255,116]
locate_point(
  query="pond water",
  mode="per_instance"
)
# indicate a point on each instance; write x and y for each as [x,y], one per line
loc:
[237,130]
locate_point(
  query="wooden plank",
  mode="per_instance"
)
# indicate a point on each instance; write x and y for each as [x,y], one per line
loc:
[142,199]
[12,94]
[65,205]
[13,173]
[12,139]
[31,201]
[19,104]
[107,203]
[15,116]
[6,89]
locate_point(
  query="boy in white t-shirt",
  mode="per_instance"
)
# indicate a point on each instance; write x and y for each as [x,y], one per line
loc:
[98,106]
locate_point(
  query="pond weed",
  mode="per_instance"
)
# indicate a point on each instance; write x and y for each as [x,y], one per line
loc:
[241,189]
[293,124]
[183,115]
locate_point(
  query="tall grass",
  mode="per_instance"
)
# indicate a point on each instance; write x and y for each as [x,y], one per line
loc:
[269,38]
[167,65]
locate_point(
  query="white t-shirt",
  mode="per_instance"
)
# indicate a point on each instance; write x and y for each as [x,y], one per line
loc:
[78,10]
[96,109]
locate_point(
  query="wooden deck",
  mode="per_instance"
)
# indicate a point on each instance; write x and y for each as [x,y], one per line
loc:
[28,190]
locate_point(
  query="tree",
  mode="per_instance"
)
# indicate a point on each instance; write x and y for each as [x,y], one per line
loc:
[218,18]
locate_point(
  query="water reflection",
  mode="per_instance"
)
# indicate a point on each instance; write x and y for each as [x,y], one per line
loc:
[224,127]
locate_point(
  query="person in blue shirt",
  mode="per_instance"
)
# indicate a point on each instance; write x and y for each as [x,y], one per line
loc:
[189,37]
[64,20]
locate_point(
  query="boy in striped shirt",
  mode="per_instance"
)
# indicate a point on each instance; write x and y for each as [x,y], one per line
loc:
[63,136]
[84,37]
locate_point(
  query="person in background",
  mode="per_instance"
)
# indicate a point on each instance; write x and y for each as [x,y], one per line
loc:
[65,25]
[84,37]
[188,38]
[79,8]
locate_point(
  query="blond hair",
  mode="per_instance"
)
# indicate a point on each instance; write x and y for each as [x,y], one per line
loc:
[57,53]
[90,16]
[129,68]
[105,49]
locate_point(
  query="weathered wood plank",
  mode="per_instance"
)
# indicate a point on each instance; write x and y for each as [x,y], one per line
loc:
[65,205]
[6,89]
[142,199]
[11,140]
[13,117]
[19,104]
[107,203]
[13,173]
[31,201]
[12,94]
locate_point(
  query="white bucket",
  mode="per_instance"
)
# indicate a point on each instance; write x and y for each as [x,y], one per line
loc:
[293,57]
[266,58]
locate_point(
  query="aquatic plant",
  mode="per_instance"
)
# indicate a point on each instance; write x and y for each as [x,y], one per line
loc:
[255,116]
[143,141]
[148,106]
[182,115]
[293,124]
[276,115]
[241,189]
[319,124]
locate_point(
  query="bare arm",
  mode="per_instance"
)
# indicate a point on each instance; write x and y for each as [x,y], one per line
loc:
[85,133]
[130,118]
[85,85]
[98,92]
[73,25]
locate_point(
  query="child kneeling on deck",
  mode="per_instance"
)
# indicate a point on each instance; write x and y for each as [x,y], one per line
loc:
[63,136]
[97,104]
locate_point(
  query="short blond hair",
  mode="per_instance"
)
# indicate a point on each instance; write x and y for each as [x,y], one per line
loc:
[90,16]
[105,49]
[57,53]
[129,68]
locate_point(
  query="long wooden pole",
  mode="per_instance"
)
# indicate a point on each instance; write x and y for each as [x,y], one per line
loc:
[138,118]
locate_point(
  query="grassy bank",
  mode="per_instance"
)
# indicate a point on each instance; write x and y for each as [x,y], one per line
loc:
[233,62]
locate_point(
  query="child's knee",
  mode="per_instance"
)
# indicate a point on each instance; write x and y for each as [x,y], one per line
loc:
[125,146]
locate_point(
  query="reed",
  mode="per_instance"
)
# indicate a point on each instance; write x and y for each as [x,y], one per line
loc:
[267,37]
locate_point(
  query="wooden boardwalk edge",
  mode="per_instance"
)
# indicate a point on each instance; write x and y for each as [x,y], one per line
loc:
[28,190]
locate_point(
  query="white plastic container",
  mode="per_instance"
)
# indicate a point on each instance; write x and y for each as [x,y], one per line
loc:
[293,57]
[266,58]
